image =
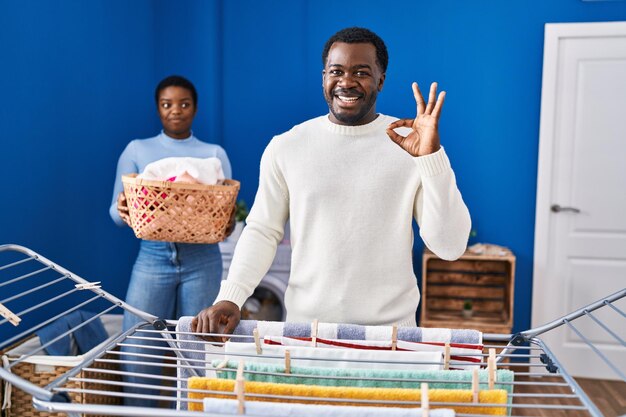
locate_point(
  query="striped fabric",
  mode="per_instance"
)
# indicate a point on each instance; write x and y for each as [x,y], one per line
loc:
[358,332]
[462,356]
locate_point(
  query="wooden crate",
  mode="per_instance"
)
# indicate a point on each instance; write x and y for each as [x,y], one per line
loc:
[487,280]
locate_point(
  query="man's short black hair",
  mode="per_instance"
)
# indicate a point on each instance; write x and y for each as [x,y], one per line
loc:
[359,35]
[176,81]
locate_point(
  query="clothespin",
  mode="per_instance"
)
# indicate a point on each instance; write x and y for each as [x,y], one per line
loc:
[394,337]
[88,285]
[240,389]
[287,361]
[446,356]
[475,386]
[9,315]
[257,341]
[491,368]
[314,333]
[424,400]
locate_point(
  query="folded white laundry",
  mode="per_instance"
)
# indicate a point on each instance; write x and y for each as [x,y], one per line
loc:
[203,170]
[335,358]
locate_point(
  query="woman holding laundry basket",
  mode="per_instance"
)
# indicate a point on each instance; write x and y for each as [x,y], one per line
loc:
[168,279]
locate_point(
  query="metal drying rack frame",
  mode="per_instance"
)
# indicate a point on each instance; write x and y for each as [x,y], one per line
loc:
[29,282]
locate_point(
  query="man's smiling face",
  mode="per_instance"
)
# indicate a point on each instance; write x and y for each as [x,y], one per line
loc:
[351,81]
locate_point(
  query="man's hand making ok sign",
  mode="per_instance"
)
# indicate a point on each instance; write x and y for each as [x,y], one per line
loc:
[424,136]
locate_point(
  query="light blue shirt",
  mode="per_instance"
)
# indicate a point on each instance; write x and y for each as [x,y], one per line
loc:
[141,152]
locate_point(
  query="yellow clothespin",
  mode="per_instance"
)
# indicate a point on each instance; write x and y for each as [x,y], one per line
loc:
[446,356]
[491,368]
[9,315]
[314,333]
[287,361]
[240,389]
[425,404]
[257,341]
[475,387]
[394,337]
[88,285]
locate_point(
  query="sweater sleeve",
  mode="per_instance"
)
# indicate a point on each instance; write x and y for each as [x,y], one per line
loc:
[264,229]
[441,214]
[223,157]
[125,165]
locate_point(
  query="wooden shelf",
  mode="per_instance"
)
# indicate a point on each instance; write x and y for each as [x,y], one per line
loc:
[487,280]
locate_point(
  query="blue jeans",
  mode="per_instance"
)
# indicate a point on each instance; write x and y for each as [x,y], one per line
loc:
[169,280]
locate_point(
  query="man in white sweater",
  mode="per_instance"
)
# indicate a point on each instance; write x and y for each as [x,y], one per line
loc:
[350,194]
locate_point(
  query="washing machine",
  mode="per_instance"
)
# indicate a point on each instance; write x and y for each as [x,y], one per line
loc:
[268,300]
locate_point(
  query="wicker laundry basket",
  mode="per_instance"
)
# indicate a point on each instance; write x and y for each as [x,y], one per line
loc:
[179,212]
[41,372]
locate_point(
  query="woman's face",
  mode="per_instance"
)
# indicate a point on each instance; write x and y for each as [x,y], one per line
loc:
[176,111]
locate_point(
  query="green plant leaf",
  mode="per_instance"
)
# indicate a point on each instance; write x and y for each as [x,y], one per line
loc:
[241,211]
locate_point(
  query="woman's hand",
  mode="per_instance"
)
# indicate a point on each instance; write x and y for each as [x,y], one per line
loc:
[424,137]
[231,224]
[221,318]
[122,208]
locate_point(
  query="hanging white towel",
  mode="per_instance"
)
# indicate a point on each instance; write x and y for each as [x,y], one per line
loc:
[463,356]
[259,408]
[335,358]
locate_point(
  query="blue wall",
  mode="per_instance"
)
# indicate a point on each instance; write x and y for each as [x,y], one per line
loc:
[78,77]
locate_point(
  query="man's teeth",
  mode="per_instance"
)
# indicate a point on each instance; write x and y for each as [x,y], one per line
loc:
[348,99]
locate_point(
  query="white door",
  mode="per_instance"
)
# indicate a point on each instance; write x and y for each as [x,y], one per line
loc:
[580,246]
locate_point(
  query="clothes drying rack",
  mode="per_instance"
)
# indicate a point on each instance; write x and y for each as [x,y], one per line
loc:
[30,283]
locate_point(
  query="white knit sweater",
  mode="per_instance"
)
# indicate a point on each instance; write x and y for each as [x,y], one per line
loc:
[350,194]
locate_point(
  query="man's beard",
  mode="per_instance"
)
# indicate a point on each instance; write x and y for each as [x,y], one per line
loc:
[353,119]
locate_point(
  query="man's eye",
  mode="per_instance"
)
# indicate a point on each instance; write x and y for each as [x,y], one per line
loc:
[335,72]
[184,105]
[165,105]
[362,74]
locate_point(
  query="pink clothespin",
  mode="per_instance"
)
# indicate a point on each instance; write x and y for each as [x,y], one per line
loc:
[257,341]
[9,315]
[425,404]
[88,285]
[491,368]
[475,387]
[314,333]
[287,361]
[240,390]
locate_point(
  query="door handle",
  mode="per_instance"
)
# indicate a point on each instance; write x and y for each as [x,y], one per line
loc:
[556,209]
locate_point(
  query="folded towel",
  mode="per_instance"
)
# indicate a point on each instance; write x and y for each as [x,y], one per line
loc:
[462,356]
[358,332]
[258,408]
[204,387]
[372,378]
[335,358]
[86,338]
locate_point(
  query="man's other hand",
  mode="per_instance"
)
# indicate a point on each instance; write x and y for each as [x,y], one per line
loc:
[221,318]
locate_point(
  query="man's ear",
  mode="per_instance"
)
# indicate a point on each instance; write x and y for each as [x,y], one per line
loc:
[381,82]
